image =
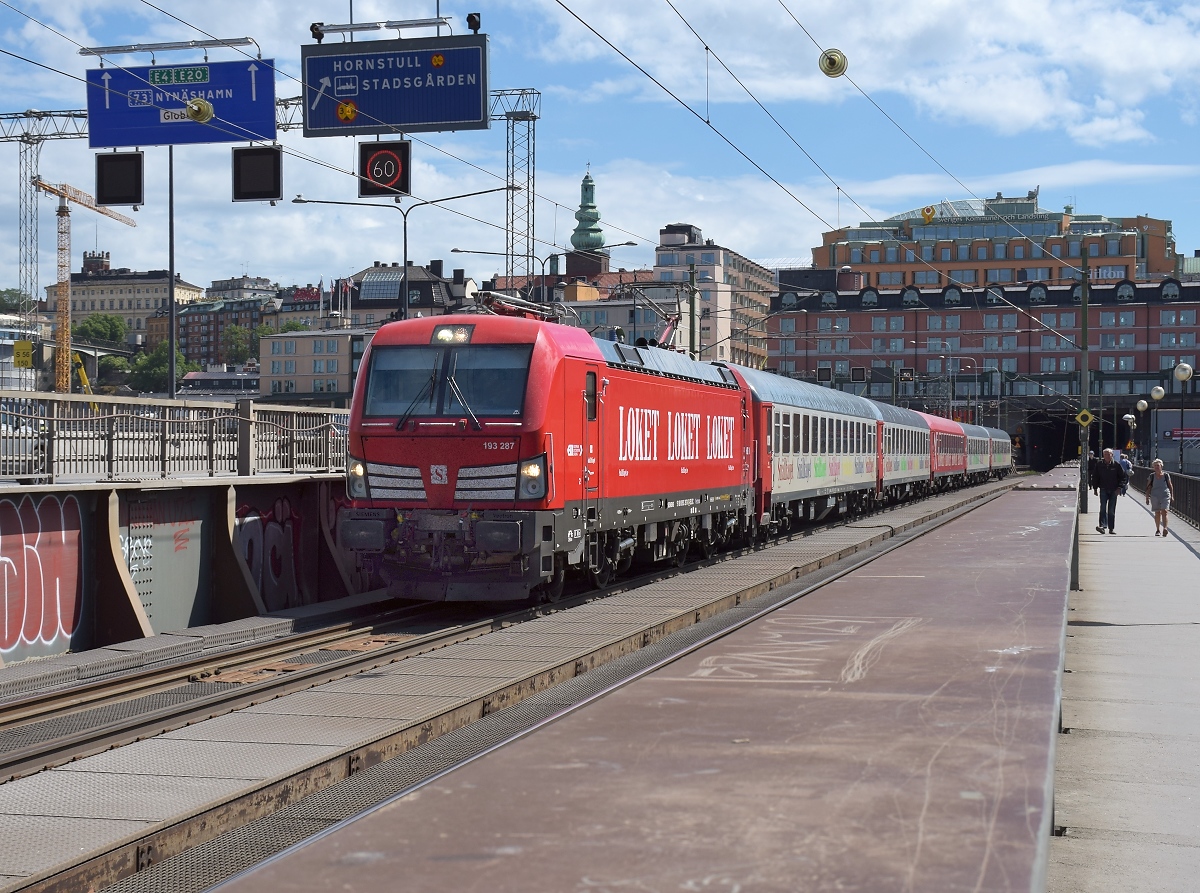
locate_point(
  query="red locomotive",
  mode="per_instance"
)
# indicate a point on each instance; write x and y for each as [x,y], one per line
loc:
[491,454]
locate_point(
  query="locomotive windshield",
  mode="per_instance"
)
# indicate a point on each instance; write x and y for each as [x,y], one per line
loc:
[431,380]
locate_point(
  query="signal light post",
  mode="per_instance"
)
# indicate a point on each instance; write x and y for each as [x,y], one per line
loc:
[404,212]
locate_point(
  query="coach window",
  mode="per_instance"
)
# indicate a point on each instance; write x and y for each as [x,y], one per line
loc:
[787,433]
[796,435]
[589,396]
[775,440]
[824,442]
[804,428]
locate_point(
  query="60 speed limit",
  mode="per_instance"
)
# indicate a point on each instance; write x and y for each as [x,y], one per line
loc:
[383,169]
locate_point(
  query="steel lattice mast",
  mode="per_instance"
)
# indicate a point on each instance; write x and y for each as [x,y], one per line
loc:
[520,110]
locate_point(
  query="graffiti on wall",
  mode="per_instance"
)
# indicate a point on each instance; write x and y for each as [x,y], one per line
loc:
[41,559]
[269,541]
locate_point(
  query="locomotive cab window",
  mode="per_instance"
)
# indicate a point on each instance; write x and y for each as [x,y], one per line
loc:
[589,395]
[435,380]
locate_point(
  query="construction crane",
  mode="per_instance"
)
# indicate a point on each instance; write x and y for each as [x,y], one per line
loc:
[62,343]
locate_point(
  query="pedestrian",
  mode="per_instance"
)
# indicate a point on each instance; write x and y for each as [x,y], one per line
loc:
[1110,477]
[1127,467]
[1093,472]
[1159,493]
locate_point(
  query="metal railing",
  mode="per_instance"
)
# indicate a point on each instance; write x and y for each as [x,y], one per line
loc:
[54,438]
[1186,503]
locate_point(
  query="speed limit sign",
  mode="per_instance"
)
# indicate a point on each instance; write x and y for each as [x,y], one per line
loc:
[383,169]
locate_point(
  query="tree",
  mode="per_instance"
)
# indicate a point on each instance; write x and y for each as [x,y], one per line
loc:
[256,337]
[149,372]
[293,325]
[100,327]
[10,300]
[235,343]
[111,370]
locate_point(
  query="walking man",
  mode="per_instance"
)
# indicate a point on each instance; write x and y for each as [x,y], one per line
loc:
[1110,479]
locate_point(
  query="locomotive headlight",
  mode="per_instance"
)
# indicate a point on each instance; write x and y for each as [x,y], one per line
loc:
[356,479]
[531,482]
[453,334]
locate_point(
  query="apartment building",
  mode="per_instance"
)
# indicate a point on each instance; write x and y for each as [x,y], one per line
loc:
[1003,241]
[134,296]
[312,367]
[734,293]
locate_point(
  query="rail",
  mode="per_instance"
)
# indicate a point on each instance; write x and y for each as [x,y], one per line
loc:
[58,438]
[1186,503]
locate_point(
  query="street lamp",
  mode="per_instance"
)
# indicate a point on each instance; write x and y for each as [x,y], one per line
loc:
[301,200]
[1157,393]
[950,358]
[1141,407]
[1183,374]
[1130,421]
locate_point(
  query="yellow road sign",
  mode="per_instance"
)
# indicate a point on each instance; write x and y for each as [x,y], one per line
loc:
[23,354]
[1084,418]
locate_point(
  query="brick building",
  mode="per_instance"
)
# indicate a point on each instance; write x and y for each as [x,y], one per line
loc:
[1000,240]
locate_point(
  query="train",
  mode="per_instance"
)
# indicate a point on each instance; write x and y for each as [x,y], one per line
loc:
[491,455]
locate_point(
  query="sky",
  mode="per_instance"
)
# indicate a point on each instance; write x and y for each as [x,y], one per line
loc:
[716,114]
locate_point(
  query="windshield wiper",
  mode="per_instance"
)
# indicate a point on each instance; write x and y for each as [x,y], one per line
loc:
[428,386]
[457,391]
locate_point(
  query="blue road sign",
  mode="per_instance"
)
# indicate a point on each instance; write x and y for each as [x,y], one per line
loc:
[147,106]
[411,86]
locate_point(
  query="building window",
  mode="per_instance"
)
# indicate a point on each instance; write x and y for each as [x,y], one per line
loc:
[318,385]
[896,324]
[1073,249]
[1050,319]
[1066,364]
[276,367]
[933,323]
[1166,317]
[1187,317]
[874,255]
[1048,364]
[933,344]
[1166,362]
[925,277]
[878,345]
[856,255]
[1008,364]
[1126,364]
[331,365]
[1108,364]
[1165,339]
[289,347]
[787,324]
[999,251]
[878,323]
[289,386]
[1003,275]
[318,366]
[896,345]
[952,322]
[892,253]
[276,387]
[926,254]
[1126,340]
[892,278]
[945,254]
[289,367]
[318,346]
[1018,252]
[991,320]
[933,367]
[1112,247]
[964,252]
[1050,342]
[841,367]
[1067,320]
[1008,342]
[991,342]
[966,277]
[1127,318]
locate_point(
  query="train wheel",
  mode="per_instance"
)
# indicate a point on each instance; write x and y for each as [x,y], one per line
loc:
[705,546]
[680,544]
[601,576]
[552,590]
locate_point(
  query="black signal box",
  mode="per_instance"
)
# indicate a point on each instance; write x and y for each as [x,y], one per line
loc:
[383,169]
[119,178]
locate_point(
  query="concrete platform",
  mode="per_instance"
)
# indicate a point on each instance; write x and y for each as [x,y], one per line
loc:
[1128,777]
[894,730]
[243,764]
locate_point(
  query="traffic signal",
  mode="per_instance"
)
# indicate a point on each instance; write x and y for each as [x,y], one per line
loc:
[258,174]
[119,179]
[317,30]
[473,22]
[383,169]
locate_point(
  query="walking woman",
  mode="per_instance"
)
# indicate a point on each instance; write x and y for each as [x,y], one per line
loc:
[1159,493]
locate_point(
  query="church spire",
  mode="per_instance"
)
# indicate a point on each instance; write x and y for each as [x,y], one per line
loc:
[588,236]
